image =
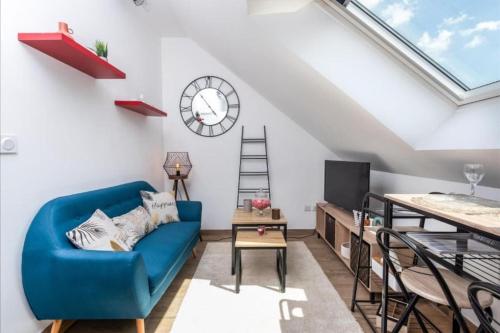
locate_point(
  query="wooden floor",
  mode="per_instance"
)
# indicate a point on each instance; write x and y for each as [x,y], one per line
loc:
[163,315]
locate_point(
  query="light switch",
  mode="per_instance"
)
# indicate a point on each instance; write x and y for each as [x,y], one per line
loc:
[8,144]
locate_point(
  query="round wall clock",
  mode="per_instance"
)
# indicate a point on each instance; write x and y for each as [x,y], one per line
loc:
[209,106]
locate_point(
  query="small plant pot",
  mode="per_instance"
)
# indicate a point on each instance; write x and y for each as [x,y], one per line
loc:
[345,250]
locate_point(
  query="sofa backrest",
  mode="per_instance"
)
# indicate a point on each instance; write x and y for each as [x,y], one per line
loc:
[56,217]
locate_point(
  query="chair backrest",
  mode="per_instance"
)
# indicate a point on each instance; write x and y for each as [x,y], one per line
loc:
[56,217]
[485,316]
[397,265]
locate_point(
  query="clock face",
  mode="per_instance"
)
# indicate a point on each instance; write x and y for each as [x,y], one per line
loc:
[209,106]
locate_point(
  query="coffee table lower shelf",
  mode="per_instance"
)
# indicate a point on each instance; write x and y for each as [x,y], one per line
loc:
[271,240]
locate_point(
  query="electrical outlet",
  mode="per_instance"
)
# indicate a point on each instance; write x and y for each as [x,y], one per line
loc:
[8,144]
[307,208]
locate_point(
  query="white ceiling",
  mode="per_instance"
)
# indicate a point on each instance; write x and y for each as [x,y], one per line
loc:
[264,7]
[343,88]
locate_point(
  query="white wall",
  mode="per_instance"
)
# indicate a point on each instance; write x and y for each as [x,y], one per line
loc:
[71,136]
[473,126]
[296,158]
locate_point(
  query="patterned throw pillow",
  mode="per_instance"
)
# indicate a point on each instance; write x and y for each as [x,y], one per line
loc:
[134,225]
[161,206]
[97,233]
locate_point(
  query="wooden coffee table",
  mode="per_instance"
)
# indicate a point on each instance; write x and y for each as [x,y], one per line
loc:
[245,220]
[271,240]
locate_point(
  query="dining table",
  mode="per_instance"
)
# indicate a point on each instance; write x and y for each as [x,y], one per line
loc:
[471,250]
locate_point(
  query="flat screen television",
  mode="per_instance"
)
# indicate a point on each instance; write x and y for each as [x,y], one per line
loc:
[346,183]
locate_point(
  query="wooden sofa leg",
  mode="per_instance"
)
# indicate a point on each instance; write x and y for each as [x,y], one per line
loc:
[56,326]
[194,253]
[140,325]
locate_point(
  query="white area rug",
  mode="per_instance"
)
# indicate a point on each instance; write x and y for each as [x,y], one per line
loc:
[310,303]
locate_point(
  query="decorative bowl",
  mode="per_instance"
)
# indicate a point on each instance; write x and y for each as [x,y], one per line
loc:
[261,204]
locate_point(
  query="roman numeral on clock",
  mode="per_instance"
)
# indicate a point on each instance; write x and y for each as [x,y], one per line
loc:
[200,128]
[186,109]
[189,121]
[196,86]
[184,95]
[208,82]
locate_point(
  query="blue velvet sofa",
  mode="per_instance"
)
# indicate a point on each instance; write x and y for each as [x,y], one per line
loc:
[62,282]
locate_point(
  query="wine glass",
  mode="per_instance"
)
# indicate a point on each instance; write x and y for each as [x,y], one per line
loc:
[474,173]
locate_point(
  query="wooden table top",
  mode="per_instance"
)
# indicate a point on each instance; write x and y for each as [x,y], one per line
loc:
[250,238]
[241,217]
[487,222]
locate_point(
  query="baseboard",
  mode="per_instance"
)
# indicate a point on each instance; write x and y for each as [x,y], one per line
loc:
[217,231]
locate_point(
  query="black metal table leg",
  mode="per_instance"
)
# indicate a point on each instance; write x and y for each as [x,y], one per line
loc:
[285,235]
[385,269]
[455,328]
[459,258]
[278,261]
[233,241]
[280,267]
[283,280]
[238,270]
[240,265]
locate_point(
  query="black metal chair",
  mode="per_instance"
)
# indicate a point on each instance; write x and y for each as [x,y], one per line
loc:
[440,286]
[366,212]
[484,315]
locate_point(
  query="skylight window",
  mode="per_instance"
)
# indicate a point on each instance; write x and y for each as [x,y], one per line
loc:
[460,38]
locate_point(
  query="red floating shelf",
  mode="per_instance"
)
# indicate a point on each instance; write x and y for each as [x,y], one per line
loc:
[142,108]
[67,50]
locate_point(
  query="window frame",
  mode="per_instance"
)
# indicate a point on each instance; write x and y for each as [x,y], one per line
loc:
[433,73]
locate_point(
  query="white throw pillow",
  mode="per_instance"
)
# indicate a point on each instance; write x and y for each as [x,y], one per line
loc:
[97,233]
[161,206]
[134,225]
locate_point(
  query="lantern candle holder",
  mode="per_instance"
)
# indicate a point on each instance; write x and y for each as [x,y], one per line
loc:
[177,166]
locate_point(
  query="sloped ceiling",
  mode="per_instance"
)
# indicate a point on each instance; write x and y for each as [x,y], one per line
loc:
[385,116]
[264,7]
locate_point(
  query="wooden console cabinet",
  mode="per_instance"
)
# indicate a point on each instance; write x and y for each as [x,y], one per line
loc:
[329,216]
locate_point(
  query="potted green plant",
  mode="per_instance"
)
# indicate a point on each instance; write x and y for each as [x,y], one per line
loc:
[101,49]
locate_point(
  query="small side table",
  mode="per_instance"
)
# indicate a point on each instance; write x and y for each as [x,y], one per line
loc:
[176,185]
[251,220]
[271,240]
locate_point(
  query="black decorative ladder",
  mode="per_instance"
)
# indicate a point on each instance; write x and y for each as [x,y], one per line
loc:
[259,173]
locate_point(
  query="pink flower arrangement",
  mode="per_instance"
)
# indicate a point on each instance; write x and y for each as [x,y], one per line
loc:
[261,204]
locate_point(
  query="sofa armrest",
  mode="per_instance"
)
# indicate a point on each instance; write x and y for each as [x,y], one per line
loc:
[79,284]
[189,210]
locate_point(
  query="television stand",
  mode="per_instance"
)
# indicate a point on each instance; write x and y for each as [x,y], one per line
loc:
[336,227]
